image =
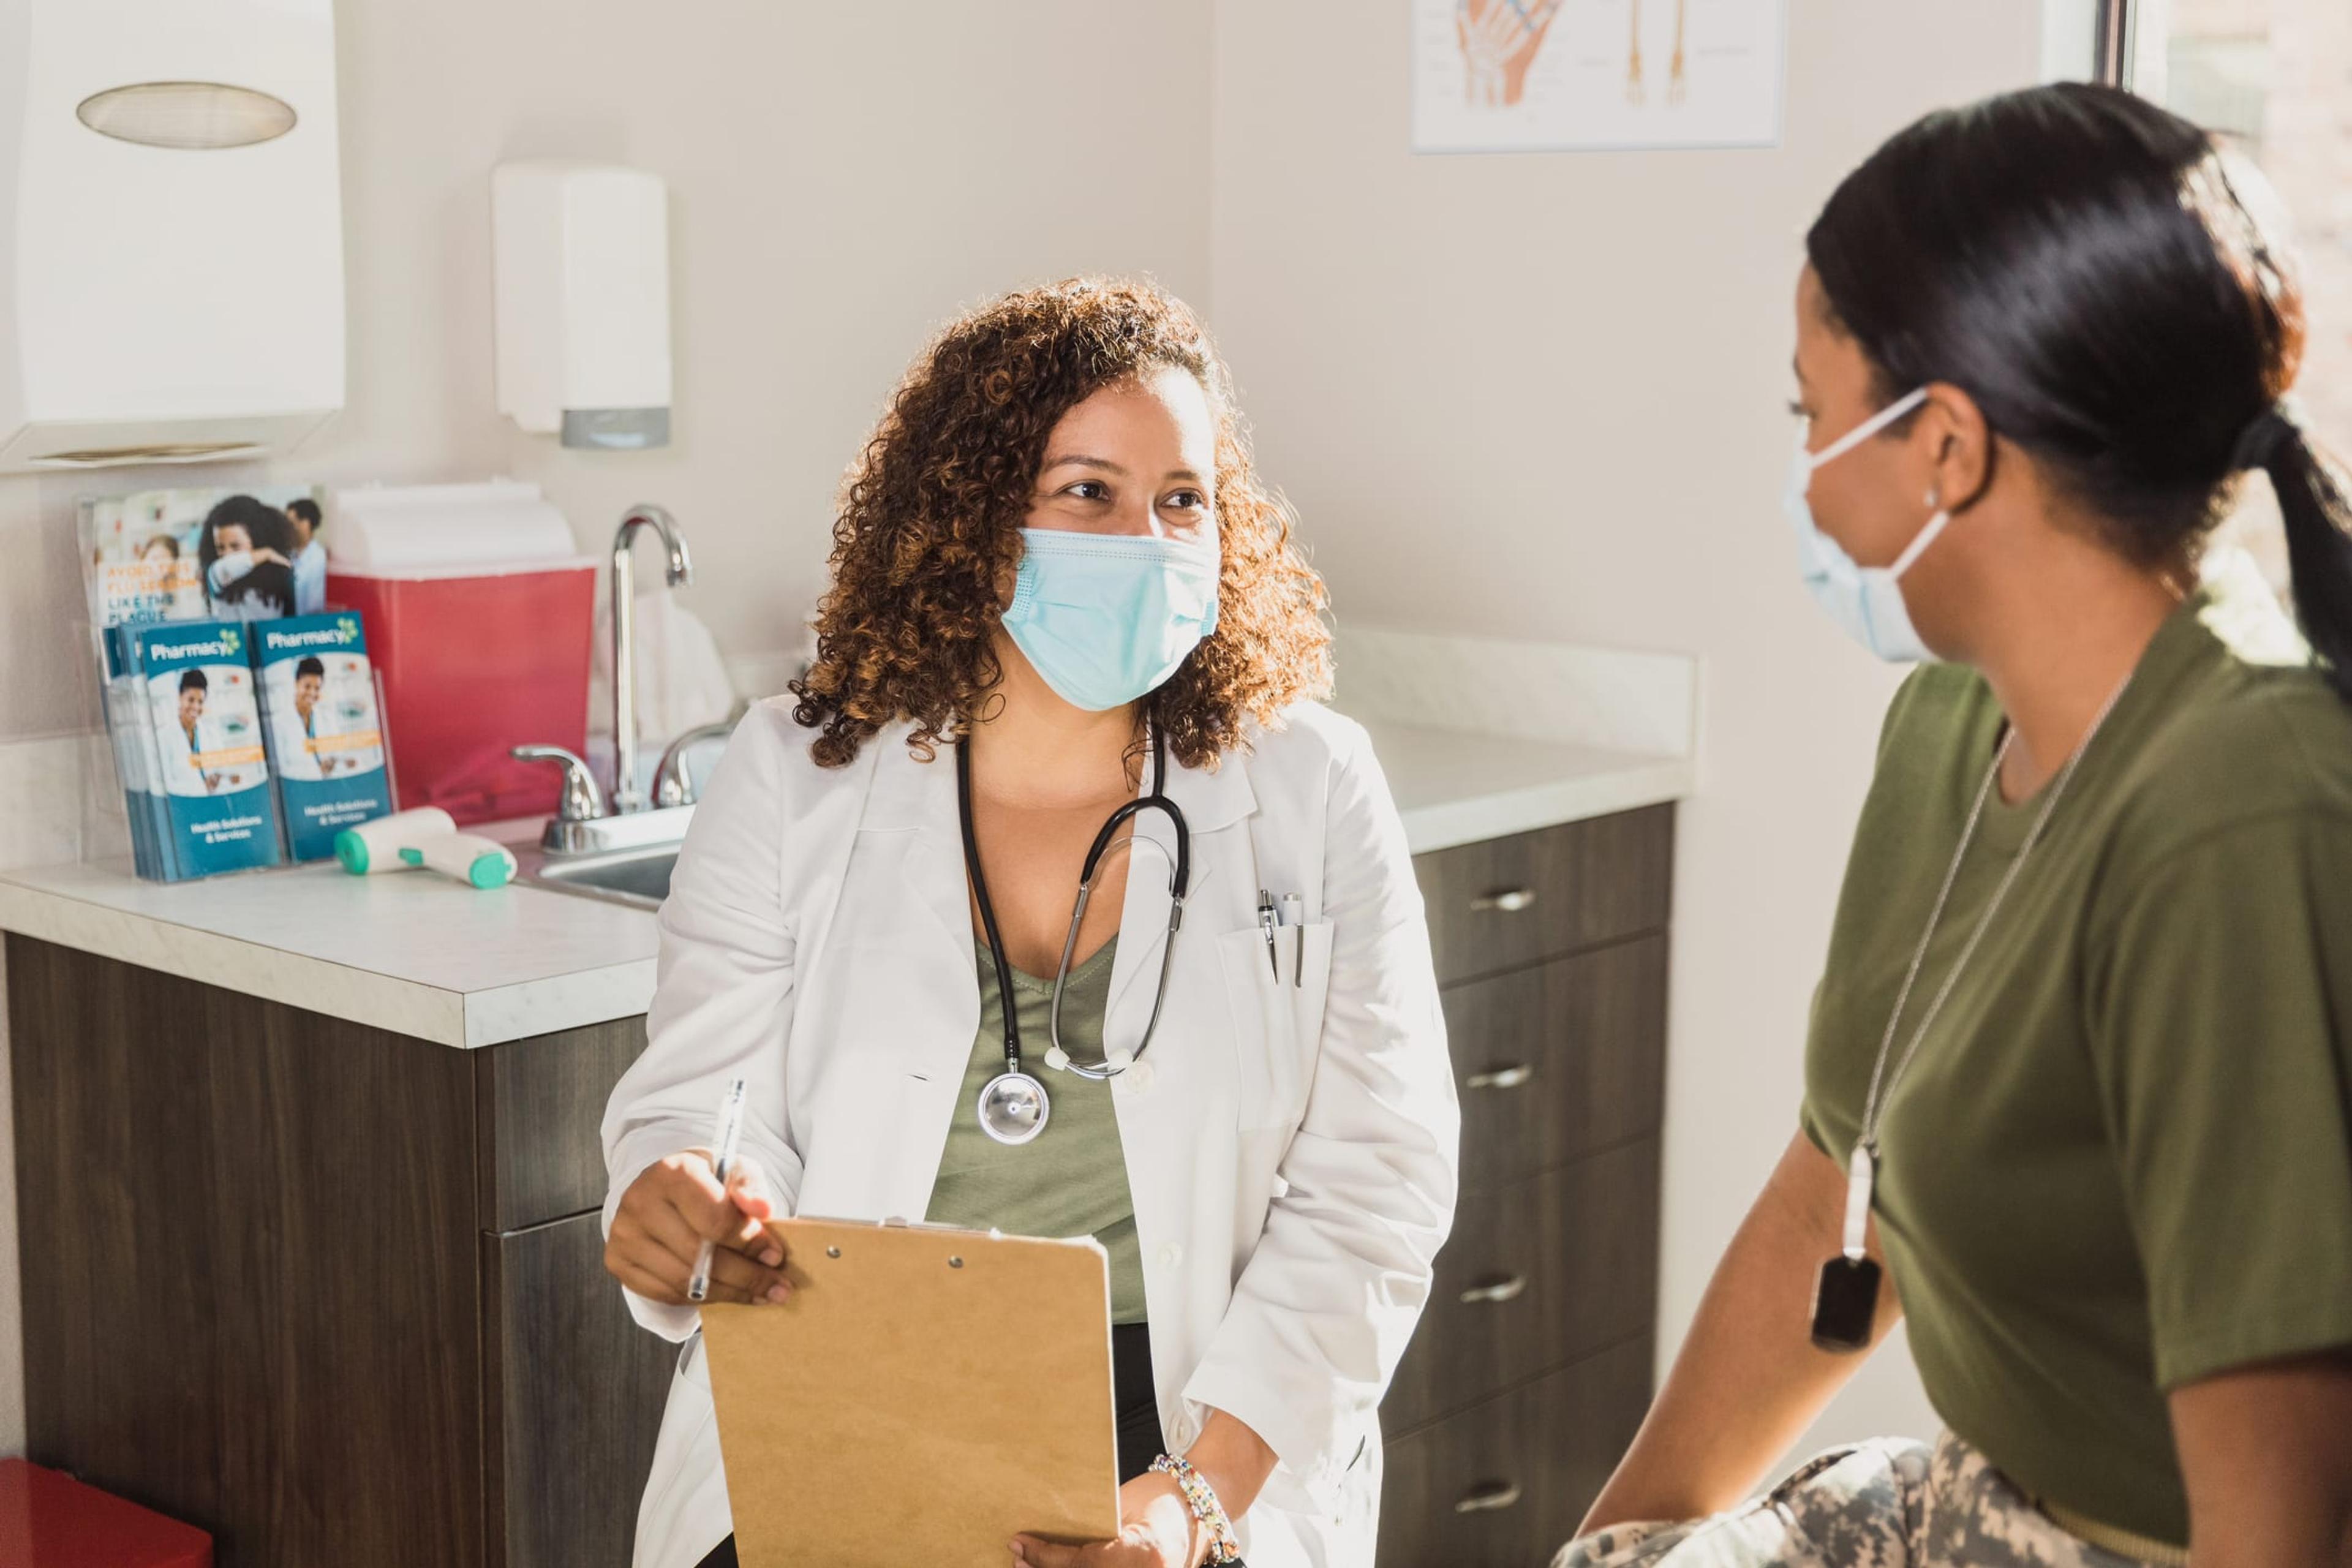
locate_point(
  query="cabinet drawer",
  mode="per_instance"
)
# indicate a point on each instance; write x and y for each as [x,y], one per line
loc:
[538,1108]
[574,1398]
[1504,1484]
[1534,1275]
[1559,1061]
[1506,903]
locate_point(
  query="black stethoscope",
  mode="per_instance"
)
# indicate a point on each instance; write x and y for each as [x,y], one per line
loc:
[1013,1105]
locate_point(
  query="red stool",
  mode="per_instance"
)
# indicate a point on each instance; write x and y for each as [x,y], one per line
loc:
[48,1520]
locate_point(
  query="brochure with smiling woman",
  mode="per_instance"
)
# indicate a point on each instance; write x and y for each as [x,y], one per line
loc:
[206,554]
[326,742]
[204,727]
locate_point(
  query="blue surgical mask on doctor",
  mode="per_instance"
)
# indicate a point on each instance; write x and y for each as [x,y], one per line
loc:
[1867,601]
[1107,618]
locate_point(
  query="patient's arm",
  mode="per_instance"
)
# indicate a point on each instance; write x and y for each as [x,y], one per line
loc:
[1749,1380]
[2266,1452]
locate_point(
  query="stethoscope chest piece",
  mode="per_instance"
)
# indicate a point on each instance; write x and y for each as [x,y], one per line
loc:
[1013,1108]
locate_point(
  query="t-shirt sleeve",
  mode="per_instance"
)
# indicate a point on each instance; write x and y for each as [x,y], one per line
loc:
[1811,1113]
[2221,1025]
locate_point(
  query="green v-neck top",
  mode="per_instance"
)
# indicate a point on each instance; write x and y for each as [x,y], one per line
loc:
[2122,1161]
[1071,1179]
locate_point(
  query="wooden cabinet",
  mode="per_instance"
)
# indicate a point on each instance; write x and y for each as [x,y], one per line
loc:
[1531,1369]
[1503,1483]
[1505,903]
[333,1293]
[1559,1060]
[1538,1274]
[572,1391]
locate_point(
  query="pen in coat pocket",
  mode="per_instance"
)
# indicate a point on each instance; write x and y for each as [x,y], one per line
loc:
[1265,924]
[724,1143]
[1294,915]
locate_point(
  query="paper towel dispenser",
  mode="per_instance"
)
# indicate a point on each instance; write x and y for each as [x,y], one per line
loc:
[582,273]
[171,231]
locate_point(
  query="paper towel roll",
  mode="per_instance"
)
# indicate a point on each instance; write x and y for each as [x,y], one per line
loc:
[418,529]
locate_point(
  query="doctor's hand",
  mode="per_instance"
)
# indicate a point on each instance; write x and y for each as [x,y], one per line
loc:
[678,1205]
[1155,1531]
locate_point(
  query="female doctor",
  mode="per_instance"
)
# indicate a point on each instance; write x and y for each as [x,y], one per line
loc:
[1068,638]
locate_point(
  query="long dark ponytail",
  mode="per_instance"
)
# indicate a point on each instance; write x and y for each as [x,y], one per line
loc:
[2081,263]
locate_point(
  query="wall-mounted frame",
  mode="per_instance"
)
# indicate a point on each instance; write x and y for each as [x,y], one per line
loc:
[2111,43]
[1547,76]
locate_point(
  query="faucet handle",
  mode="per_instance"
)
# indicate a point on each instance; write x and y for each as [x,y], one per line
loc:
[673,786]
[582,800]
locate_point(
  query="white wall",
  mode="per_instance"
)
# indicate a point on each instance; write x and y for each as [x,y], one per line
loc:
[1541,395]
[843,177]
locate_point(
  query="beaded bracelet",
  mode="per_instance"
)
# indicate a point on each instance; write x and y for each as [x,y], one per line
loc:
[1202,1498]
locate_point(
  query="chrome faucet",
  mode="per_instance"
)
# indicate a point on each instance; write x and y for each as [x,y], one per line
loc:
[580,801]
[673,784]
[587,821]
[626,795]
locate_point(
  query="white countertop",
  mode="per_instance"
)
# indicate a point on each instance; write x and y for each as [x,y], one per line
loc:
[423,956]
[1455,787]
[417,955]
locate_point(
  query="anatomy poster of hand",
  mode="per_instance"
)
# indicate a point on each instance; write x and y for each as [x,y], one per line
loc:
[1529,75]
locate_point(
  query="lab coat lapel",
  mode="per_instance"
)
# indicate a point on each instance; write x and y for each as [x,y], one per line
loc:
[919,798]
[898,1000]
[926,925]
[1212,803]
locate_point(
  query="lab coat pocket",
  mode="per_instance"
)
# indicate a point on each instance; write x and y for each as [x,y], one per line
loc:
[1277,1018]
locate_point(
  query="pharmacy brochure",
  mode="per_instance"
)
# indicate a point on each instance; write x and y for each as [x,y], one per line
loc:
[326,742]
[204,724]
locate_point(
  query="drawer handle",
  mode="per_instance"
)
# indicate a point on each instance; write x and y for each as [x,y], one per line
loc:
[1492,1498]
[1510,901]
[1510,1076]
[1507,1289]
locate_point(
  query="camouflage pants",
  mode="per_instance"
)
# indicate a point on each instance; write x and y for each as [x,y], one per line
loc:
[1884,1504]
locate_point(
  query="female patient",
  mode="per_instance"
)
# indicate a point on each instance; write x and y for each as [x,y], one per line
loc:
[1058,589]
[2080,1074]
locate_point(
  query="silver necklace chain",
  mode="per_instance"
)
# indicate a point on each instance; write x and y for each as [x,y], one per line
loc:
[1875,1106]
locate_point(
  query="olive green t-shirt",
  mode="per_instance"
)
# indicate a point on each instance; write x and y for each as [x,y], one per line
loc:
[1069,1180]
[2122,1160]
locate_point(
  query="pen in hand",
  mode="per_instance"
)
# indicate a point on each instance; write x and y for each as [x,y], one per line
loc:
[724,1143]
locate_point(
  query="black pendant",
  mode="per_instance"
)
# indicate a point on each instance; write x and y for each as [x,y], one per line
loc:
[1844,1303]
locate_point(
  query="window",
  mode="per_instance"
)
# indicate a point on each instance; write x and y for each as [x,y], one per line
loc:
[2273,78]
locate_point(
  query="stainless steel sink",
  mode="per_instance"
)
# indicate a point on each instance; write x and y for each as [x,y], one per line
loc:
[637,877]
[622,860]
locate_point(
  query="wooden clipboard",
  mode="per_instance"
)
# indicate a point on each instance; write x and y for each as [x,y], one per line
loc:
[925,1394]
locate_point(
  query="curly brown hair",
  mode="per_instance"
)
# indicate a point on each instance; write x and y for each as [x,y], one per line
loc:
[930,517]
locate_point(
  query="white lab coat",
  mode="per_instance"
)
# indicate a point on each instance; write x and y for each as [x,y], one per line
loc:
[297,756]
[180,752]
[1291,1149]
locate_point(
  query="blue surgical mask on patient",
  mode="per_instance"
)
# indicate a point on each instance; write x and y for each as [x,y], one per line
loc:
[1867,601]
[1105,617]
